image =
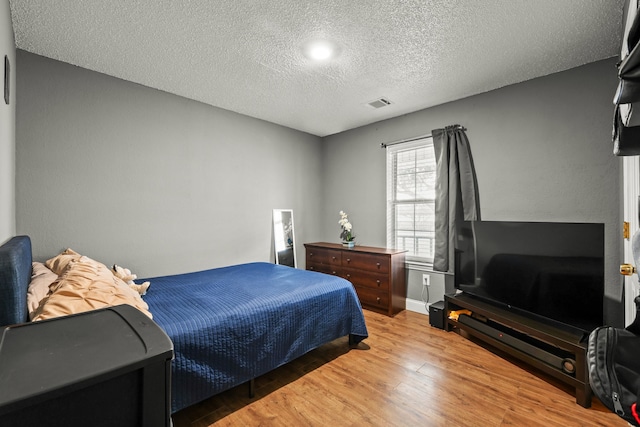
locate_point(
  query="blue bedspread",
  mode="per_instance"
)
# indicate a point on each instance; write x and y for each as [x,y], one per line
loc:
[229,325]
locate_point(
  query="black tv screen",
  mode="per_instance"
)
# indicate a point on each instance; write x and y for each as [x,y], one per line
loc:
[550,270]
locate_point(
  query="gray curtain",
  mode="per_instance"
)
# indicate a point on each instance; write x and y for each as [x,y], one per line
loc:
[456,194]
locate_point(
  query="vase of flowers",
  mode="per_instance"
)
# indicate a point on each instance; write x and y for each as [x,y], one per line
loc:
[347,236]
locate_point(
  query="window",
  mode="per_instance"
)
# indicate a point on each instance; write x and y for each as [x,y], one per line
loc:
[411,179]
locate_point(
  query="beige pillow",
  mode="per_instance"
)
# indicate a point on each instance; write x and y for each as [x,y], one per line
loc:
[41,279]
[87,285]
[59,263]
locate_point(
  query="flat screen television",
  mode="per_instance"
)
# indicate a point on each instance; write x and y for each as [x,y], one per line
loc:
[552,271]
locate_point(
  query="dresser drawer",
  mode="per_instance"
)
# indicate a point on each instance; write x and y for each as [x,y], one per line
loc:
[324,256]
[364,261]
[365,279]
[322,268]
[373,298]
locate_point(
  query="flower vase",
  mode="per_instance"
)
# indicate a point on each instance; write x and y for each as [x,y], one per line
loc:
[349,244]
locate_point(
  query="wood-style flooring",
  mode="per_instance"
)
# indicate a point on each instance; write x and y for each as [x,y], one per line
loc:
[406,373]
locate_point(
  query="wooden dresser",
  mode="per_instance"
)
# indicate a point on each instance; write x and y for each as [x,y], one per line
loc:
[378,274]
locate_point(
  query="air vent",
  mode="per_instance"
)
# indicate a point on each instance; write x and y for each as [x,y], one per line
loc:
[379,103]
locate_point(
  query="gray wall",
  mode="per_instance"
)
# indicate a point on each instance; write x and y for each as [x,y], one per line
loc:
[542,152]
[7,128]
[154,182]
[162,184]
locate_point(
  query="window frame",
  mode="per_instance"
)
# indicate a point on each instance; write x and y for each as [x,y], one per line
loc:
[420,262]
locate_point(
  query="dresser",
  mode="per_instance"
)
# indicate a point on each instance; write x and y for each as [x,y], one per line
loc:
[377,274]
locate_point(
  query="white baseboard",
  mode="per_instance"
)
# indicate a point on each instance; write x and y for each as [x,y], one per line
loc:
[417,306]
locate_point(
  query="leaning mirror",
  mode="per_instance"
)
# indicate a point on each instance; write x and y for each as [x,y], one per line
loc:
[284,239]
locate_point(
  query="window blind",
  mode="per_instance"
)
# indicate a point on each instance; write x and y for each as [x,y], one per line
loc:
[411,179]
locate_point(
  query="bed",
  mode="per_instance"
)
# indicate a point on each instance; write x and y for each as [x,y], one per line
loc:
[228,325]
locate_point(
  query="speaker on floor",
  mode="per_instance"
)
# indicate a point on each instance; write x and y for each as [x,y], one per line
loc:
[436,314]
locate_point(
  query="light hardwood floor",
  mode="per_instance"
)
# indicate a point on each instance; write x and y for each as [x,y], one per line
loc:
[406,373]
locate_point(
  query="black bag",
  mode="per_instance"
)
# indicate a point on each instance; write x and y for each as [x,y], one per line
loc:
[613,359]
[629,65]
[626,139]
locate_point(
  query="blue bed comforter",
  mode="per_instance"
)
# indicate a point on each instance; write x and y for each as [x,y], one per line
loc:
[230,325]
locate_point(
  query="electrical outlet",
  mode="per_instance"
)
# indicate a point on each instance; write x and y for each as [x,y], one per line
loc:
[426,280]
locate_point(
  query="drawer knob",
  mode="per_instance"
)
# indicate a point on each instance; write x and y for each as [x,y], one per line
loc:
[310,254]
[333,258]
[311,268]
[378,264]
[378,282]
[378,300]
[348,276]
[333,272]
[348,259]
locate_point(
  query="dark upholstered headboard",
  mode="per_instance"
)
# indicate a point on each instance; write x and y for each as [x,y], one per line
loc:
[15,275]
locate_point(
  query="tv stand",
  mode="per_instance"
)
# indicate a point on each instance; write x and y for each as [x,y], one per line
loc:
[556,352]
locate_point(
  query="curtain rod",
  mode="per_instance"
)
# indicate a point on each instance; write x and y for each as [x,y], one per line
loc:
[415,138]
[402,141]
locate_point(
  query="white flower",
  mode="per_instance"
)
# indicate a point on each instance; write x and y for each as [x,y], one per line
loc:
[346,227]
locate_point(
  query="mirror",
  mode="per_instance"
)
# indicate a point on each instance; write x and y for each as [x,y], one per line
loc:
[284,239]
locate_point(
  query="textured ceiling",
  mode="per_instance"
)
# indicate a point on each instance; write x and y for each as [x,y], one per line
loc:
[247,55]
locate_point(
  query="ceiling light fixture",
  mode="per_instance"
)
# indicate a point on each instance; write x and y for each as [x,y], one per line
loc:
[319,50]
